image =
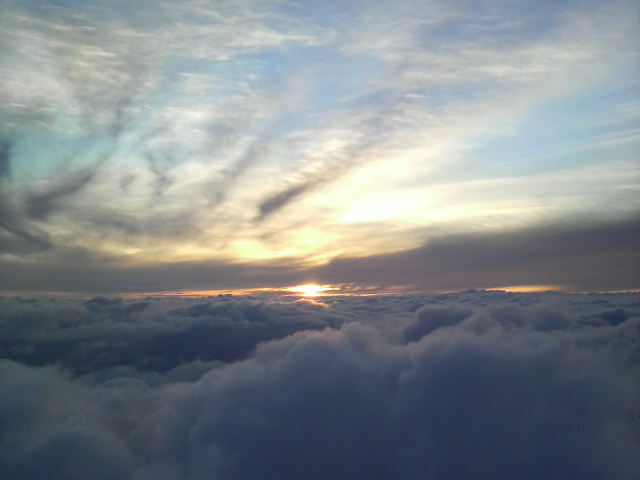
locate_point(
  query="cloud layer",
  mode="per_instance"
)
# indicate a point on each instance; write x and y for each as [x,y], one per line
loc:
[478,385]
[576,256]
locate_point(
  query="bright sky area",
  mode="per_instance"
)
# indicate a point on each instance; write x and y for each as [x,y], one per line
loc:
[157,145]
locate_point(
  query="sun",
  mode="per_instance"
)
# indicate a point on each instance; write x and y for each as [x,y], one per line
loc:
[309,290]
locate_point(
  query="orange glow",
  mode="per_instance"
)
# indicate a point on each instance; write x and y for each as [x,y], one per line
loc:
[528,288]
[306,291]
[309,290]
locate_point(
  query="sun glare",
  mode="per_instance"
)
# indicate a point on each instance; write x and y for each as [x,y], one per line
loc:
[309,290]
[529,288]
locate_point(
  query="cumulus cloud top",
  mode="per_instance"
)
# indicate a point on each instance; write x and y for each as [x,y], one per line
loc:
[478,385]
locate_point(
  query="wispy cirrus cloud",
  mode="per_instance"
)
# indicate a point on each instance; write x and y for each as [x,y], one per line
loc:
[258,127]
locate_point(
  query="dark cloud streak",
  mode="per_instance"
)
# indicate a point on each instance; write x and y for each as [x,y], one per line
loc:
[277,201]
[40,205]
[313,181]
[597,256]
[5,158]
[16,234]
[219,190]
[372,132]
[78,270]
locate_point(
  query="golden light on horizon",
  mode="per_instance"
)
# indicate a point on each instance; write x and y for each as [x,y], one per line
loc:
[308,290]
[529,288]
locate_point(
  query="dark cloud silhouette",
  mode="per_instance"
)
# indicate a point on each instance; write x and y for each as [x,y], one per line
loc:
[586,256]
[472,385]
[21,231]
[309,182]
[5,157]
[16,234]
[79,270]
[40,205]
[279,200]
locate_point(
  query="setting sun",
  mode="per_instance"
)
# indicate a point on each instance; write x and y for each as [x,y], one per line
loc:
[309,290]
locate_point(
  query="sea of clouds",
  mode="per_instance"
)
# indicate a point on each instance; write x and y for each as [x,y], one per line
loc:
[471,385]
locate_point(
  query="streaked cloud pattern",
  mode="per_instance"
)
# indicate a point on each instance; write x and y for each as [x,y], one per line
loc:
[289,135]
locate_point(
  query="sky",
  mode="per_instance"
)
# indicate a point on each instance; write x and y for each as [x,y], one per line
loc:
[423,145]
[468,385]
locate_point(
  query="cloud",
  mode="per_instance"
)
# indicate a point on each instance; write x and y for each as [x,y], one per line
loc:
[219,189]
[364,136]
[580,256]
[82,270]
[160,168]
[431,318]
[230,115]
[279,200]
[589,256]
[16,234]
[89,336]
[73,454]
[492,385]
[40,205]
[5,158]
